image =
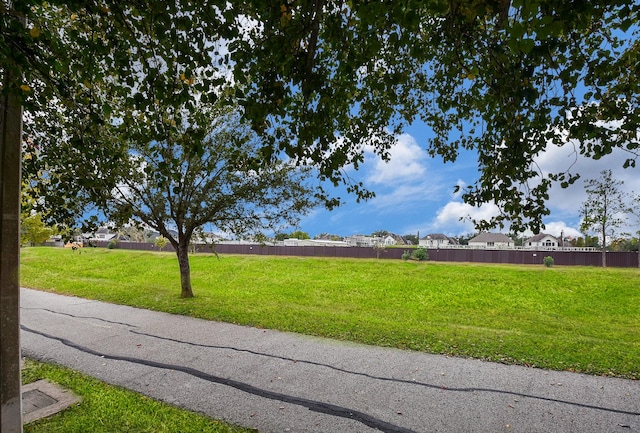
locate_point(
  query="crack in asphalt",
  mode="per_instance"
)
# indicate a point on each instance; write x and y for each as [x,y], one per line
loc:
[391,379]
[80,317]
[314,406]
[369,376]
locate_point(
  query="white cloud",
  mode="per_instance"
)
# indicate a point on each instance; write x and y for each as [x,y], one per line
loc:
[556,228]
[407,162]
[455,217]
[405,196]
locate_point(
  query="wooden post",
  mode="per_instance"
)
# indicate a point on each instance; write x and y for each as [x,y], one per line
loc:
[10,159]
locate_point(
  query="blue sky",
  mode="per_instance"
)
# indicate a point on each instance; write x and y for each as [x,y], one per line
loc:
[414,192]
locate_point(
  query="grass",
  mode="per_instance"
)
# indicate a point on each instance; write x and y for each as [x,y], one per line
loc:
[582,319]
[107,409]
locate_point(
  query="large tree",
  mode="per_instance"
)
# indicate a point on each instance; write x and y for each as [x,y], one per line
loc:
[605,208]
[321,79]
[507,79]
[205,172]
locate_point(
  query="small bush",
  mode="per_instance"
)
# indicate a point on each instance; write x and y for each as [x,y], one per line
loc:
[112,244]
[406,255]
[548,261]
[421,254]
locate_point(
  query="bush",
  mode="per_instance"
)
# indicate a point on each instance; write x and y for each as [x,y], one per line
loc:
[548,261]
[112,244]
[421,254]
[406,255]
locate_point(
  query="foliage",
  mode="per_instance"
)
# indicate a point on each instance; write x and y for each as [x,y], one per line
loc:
[203,172]
[567,318]
[297,234]
[588,241]
[112,244]
[106,408]
[161,242]
[622,244]
[548,261]
[421,254]
[319,80]
[604,209]
[33,230]
[418,254]
[379,248]
[412,239]
[507,79]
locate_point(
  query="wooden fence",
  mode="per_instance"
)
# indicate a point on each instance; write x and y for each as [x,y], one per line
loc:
[514,256]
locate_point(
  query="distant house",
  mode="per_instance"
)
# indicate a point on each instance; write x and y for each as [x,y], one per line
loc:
[436,240]
[370,241]
[542,240]
[359,240]
[390,240]
[292,242]
[491,240]
[103,234]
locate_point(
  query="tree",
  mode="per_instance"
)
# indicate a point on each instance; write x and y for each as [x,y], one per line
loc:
[412,239]
[161,242]
[204,173]
[299,234]
[33,231]
[506,78]
[604,209]
[319,80]
[634,209]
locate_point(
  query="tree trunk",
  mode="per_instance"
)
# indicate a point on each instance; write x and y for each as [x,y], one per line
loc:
[185,270]
[604,248]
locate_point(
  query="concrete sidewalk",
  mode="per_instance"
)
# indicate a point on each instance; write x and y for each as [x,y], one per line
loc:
[281,382]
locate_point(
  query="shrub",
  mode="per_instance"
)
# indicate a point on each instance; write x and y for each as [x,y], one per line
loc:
[112,244]
[406,255]
[161,242]
[548,261]
[421,254]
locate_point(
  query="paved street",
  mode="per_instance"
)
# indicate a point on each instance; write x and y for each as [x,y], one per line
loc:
[282,382]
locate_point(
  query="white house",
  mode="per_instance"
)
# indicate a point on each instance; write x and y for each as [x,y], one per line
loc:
[102,234]
[292,242]
[436,240]
[542,240]
[491,240]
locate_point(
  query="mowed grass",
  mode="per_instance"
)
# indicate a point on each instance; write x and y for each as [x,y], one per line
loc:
[108,409]
[582,319]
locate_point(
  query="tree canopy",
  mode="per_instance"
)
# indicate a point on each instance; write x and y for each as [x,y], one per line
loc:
[604,210]
[203,173]
[320,79]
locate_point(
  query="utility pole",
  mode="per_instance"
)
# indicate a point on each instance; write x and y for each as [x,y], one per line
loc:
[10,154]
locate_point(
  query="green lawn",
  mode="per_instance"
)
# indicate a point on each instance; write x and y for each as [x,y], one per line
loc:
[108,409]
[583,319]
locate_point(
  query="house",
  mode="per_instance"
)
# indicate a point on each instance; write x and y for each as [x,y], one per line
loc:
[542,240]
[103,234]
[491,240]
[436,240]
[371,241]
[292,242]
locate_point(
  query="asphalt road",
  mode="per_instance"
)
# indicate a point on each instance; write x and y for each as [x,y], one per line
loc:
[282,382]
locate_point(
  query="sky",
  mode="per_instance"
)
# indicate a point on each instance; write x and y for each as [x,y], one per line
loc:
[415,193]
